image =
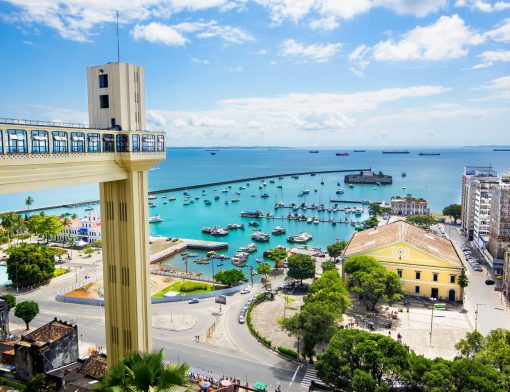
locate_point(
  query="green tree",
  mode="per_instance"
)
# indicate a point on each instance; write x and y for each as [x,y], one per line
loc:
[370,223]
[10,222]
[453,211]
[374,210]
[230,277]
[66,224]
[28,202]
[88,251]
[26,310]
[10,299]
[336,249]
[356,358]
[471,345]
[264,269]
[372,281]
[423,221]
[463,283]
[97,244]
[329,290]
[38,383]
[30,263]
[328,266]
[301,267]
[144,372]
[278,255]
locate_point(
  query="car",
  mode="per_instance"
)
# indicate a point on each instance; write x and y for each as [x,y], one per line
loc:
[489,281]
[241,319]
[246,290]
[478,269]
[194,301]
[499,277]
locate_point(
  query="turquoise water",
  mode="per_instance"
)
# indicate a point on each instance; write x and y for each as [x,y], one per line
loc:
[436,178]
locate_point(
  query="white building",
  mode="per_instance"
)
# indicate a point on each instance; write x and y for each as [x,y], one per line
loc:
[409,205]
[482,212]
[87,229]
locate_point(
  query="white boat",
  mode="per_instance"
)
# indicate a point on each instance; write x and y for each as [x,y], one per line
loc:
[219,232]
[309,220]
[152,197]
[316,221]
[339,191]
[260,236]
[155,219]
[300,238]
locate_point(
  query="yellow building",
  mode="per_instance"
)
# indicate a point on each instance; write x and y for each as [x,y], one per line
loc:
[427,264]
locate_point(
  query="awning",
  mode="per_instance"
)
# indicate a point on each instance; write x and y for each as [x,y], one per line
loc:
[60,138]
[81,244]
[14,137]
[40,137]
[79,138]
[108,138]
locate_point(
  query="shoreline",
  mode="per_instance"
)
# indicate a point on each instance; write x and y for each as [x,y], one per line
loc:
[183,188]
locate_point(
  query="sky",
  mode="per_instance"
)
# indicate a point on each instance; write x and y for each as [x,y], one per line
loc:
[273,72]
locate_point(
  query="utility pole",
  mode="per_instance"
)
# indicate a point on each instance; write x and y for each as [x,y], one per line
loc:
[431,320]
[476,315]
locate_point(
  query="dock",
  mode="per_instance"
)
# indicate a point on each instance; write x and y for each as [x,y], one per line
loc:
[182,245]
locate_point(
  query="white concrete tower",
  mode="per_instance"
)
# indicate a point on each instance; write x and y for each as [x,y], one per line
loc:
[116,96]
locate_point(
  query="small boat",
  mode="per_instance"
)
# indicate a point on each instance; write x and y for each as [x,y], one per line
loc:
[220,264]
[254,223]
[300,238]
[235,200]
[207,230]
[219,232]
[224,190]
[309,220]
[403,187]
[152,197]
[207,202]
[316,221]
[271,181]
[313,174]
[339,191]
[258,261]
[89,209]
[212,153]
[278,230]
[351,186]
[152,206]
[280,204]
[172,198]
[186,202]
[342,154]
[155,219]
[279,186]
[403,174]
[264,195]
[226,201]
[164,197]
[165,202]
[280,178]
[260,236]
[252,214]
[216,197]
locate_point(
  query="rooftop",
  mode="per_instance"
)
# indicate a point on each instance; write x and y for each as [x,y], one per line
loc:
[50,332]
[401,231]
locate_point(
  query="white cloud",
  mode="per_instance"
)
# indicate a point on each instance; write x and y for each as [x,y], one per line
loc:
[421,43]
[418,8]
[329,23]
[315,52]
[174,35]
[483,6]
[79,20]
[492,56]
[236,69]
[285,119]
[158,33]
[199,61]
[502,83]
[263,52]
[501,33]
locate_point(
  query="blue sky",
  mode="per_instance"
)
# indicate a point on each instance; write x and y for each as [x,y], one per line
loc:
[273,72]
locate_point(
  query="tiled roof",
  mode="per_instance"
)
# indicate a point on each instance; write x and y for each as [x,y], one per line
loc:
[95,366]
[366,240]
[50,332]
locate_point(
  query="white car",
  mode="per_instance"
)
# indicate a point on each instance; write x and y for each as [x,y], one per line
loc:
[246,290]
[241,319]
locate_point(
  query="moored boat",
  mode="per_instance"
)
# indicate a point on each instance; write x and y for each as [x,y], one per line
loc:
[300,238]
[155,219]
[260,236]
[278,230]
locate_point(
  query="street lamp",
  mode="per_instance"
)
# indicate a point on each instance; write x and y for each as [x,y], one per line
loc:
[476,315]
[251,274]
[431,319]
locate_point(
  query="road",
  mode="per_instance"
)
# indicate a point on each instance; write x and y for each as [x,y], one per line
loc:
[242,358]
[492,311]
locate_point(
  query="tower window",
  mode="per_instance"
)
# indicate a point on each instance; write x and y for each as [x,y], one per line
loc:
[434,277]
[104,101]
[418,275]
[399,272]
[103,81]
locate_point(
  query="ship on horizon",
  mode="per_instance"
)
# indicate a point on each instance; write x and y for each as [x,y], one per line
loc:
[395,152]
[423,154]
[501,149]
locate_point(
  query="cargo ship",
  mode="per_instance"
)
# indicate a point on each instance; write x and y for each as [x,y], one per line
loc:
[342,154]
[425,154]
[501,149]
[395,152]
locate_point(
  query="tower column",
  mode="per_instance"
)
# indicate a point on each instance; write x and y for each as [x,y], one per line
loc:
[125,237]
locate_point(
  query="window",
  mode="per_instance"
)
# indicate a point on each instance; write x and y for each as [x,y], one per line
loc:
[417,289]
[135,143]
[108,143]
[103,81]
[161,143]
[17,141]
[399,272]
[104,101]
[452,278]
[148,142]
[418,275]
[94,143]
[59,141]
[122,143]
[434,277]
[40,142]
[77,142]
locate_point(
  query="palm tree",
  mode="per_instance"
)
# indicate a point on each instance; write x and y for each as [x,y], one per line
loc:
[66,222]
[374,209]
[144,372]
[71,242]
[9,223]
[28,202]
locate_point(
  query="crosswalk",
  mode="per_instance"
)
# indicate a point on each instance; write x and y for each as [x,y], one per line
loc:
[311,374]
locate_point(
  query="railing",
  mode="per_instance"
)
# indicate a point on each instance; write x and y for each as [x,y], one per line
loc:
[56,124]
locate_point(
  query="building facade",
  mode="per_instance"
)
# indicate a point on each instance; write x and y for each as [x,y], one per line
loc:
[506,274]
[473,177]
[409,206]
[482,212]
[428,265]
[87,229]
[499,223]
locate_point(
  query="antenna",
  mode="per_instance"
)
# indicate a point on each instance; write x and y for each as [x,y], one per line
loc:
[118,40]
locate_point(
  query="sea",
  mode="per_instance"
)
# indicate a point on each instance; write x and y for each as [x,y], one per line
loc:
[435,178]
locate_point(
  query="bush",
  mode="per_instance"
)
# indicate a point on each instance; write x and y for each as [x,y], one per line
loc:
[254,332]
[287,352]
[186,287]
[30,263]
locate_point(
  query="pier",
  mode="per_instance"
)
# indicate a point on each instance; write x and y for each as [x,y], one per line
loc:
[197,186]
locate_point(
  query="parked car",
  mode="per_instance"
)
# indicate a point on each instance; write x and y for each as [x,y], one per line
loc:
[246,290]
[241,319]
[194,301]
[489,282]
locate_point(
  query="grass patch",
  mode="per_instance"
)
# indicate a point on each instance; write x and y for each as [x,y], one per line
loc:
[12,384]
[60,271]
[185,288]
